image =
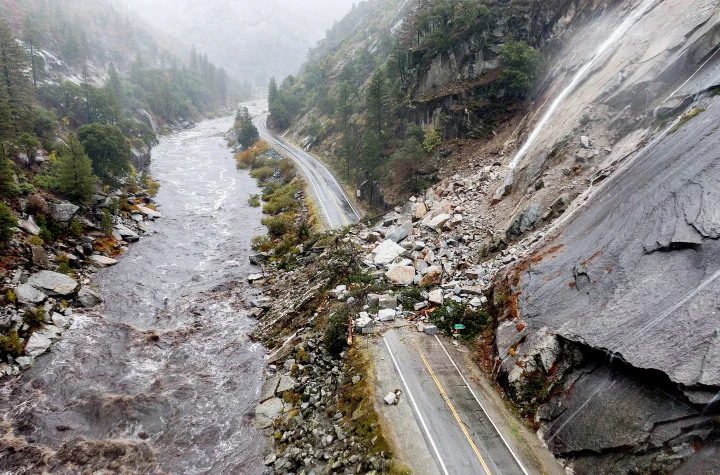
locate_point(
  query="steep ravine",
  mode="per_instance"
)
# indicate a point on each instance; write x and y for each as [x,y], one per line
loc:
[163,379]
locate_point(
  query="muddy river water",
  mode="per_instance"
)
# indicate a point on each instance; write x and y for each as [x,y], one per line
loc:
[164,380]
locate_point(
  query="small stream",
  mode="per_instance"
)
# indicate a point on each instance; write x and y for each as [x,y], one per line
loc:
[165,380]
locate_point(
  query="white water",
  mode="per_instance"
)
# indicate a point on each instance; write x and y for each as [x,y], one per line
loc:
[617,35]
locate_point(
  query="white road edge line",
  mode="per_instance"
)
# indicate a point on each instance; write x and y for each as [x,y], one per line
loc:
[309,179]
[417,411]
[316,161]
[517,459]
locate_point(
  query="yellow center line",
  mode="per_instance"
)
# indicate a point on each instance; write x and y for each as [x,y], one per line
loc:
[452,409]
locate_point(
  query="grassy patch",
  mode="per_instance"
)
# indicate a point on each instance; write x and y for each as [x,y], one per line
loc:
[689,115]
[254,201]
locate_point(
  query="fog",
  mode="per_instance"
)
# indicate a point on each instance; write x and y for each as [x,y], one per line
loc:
[252,39]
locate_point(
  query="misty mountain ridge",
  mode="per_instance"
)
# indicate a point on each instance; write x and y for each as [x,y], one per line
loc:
[252,39]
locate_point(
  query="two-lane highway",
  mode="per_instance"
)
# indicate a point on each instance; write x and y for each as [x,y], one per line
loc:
[458,432]
[334,205]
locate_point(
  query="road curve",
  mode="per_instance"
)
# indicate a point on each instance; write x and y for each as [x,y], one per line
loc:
[333,204]
[458,433]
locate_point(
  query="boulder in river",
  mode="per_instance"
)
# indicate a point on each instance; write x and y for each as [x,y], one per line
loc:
[87,298]
[103,261]
[37,345]
[126,233]
[53,283]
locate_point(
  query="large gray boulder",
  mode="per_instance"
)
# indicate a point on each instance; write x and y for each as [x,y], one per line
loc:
[29,226]
[400,232]
[126,233]
[37,345]
[64,211]
[27,294]
[524,221]
[88,299]
[267,412]
[386,252]
[53,283]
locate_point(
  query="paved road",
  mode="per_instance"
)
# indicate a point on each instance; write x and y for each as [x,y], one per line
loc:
[333,204]
[457,431]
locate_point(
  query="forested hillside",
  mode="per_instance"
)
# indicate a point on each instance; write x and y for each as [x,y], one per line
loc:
[84,91]
[394,79]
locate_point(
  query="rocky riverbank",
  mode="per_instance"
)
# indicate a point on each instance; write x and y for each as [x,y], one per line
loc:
[47,268]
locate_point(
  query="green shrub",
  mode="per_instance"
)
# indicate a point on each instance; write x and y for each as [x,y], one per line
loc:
[35,241]
[254,201]
[46,235]
[10,297]
[34,318]
[262,173]
[277,226]
[64,268]
[452,313]
[106,223]
[11,344]
[336,333]
[261,244]
[521,64]
[281,203]
[76,229]
[7,223]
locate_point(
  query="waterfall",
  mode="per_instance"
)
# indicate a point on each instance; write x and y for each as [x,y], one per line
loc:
[619,32]
[150,118]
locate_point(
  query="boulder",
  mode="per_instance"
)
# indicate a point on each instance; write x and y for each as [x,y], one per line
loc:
[24,362]
[87,298]
[150,213]
[585,141]
[338,291]
[390,399]
[524,221]
[386,252]
[287,383]
[126,233]
[255,277]
[64,211]
[386,315]
[419,210]
[403,275]
[268,411]
[27,294]
[438,222]
[430,329]
[364,324]
[433,276]
[103,261]
[60,321]
[37,345]
[399,232]
[504,189]
[29,226]
[39,257]
[387,301]
[268,389]
[54,283]
[436,297]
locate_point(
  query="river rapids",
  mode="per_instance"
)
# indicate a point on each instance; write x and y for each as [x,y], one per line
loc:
[165,379]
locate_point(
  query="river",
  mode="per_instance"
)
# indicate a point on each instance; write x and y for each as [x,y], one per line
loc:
[165,380]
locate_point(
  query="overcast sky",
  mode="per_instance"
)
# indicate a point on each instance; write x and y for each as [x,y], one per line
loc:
[253,39]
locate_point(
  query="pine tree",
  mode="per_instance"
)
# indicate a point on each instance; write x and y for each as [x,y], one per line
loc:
[247,132]
[30,39]
[16,93]
[376,102]
[8,188]
[194,66]
[75,173]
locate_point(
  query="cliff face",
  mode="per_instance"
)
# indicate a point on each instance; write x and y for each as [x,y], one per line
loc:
[623,291]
